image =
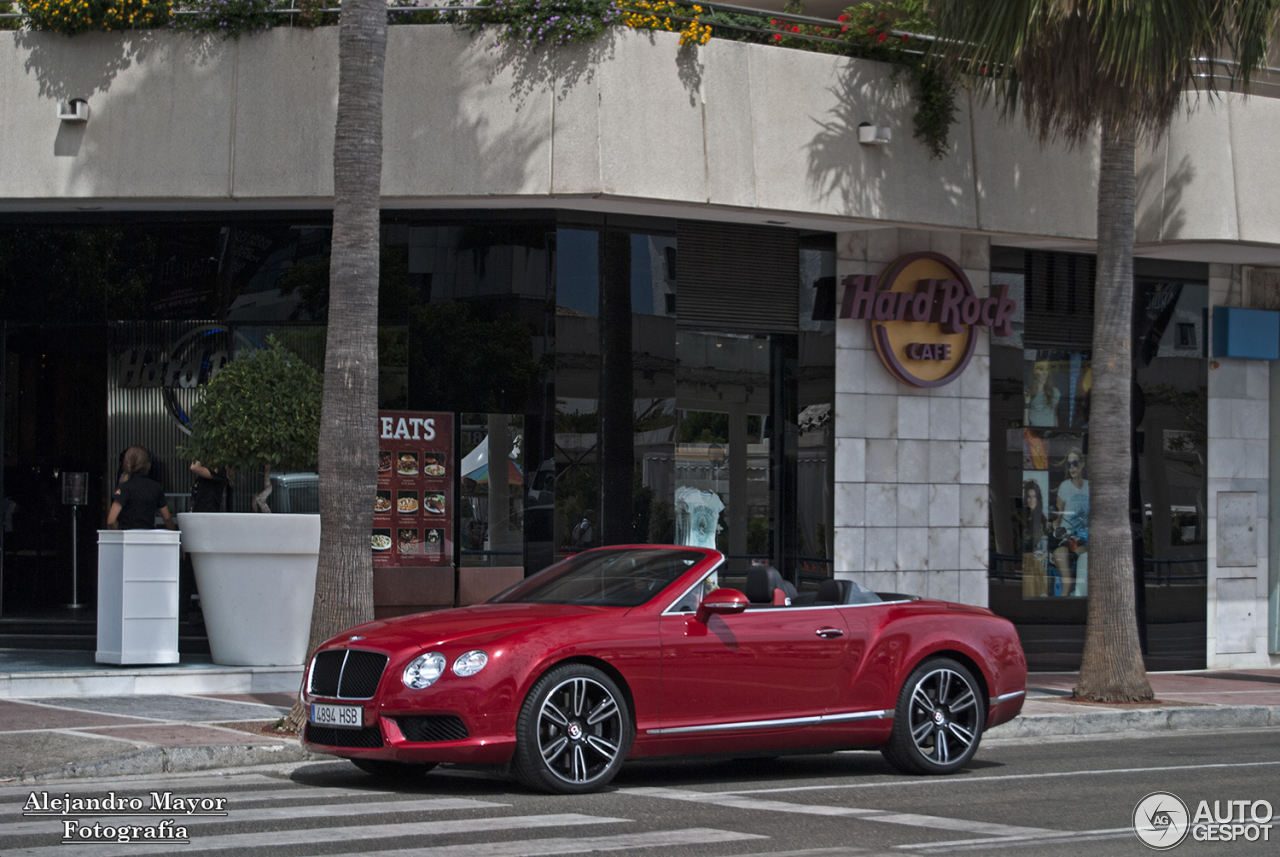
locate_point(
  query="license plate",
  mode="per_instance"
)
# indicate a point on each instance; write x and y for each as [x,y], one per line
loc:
[342,716]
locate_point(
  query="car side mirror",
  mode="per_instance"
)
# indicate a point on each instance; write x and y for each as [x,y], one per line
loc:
[721,602]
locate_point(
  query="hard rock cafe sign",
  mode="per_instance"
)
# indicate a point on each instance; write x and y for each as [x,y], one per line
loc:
[923,316]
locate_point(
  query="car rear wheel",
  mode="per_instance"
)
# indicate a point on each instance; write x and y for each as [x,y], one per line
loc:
[387,770]
[938,721]
[573,731]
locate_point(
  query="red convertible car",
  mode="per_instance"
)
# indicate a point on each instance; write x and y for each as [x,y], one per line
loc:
[642,651]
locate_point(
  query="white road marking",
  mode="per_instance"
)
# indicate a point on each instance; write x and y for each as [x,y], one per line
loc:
[311,835]
[960,779]
[1017,841]
[53,822]
[735,801]
[542,847]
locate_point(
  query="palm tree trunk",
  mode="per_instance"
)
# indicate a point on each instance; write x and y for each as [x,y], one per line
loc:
[1111,669]
[348,421]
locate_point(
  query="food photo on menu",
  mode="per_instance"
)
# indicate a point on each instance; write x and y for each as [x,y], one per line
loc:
[407,502]
[386,460]
[381,540]
[408,541]
[432,465]
[382,502]
[433,541]
[407,464]
[435,503]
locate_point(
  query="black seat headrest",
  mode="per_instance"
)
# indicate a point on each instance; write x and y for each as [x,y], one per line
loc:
[759,587]
[833,591]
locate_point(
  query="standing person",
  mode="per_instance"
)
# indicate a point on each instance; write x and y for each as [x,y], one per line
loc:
[138,497]
[584,534]
[210,486]
[1040,399]
[1072,521]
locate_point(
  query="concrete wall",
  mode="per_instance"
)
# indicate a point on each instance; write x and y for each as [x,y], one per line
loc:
[205,123]
[912,469]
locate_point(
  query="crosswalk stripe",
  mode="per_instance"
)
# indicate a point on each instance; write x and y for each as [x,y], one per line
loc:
[139,784]
[736,801]
[566,845]
[49,823]
[311,835]
[1018,841]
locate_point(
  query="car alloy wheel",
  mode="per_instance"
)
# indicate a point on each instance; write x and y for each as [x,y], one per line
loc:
[938,721]
[573,732]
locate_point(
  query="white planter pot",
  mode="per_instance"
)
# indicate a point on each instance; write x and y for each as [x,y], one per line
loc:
[257,580]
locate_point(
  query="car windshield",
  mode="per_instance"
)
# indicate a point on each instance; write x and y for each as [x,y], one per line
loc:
[607,578]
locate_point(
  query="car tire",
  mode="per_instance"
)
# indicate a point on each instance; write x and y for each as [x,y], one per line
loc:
[387,770]
[573,732]
[938,721]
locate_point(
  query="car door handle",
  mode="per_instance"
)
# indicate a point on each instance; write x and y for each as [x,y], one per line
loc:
[829,633]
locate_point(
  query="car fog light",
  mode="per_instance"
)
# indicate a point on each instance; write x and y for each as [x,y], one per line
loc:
[423,670]
[470,663]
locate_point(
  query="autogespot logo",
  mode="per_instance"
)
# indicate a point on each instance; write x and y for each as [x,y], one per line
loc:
[1160,819]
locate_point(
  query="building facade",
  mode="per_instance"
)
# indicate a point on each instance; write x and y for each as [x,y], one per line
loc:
[635,270]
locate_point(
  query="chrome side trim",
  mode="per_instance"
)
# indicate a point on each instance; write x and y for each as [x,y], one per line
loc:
[774,724]
[1008,696]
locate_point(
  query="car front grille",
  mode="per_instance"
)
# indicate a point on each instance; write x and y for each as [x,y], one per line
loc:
[329,736]
[347,673]
[432,727]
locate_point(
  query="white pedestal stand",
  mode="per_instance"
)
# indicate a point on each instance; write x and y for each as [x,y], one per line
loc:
[137,597]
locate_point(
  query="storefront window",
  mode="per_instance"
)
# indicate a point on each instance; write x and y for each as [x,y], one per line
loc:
[1041,379]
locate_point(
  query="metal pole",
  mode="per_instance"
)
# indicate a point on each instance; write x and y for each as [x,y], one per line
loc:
[75,559]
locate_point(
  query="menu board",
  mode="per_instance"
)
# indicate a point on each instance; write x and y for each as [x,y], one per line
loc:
[413,510]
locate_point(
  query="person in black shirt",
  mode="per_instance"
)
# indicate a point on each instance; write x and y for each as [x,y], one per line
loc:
[138,497]
[211,484]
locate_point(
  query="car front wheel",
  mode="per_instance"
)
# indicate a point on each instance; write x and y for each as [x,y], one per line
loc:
[573,731]
[938,720]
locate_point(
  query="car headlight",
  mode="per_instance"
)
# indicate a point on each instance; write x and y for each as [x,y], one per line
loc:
[470,663]
[423,670]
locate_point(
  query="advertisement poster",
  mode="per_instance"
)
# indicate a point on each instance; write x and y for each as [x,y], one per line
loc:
[1055,514]
[414,506]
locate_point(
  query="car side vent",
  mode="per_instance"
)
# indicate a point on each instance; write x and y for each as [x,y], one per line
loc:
[432,727]
[347,673]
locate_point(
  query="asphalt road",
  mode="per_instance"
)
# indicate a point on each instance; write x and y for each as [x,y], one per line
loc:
[1018,798]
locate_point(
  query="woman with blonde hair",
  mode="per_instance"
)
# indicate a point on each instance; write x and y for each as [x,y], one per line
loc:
[1072,522]
[1040,398]
[138,498]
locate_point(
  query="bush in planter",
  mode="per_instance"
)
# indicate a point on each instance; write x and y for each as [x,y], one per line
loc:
[262,410]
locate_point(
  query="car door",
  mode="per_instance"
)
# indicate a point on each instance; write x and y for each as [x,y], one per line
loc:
[767,664]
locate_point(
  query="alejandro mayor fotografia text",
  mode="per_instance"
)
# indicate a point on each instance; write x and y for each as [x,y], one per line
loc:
[72,812]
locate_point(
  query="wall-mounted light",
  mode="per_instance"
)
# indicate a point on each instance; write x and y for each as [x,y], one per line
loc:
[74,110]
[874,135]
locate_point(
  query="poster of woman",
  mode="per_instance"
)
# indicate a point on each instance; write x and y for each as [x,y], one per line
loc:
[1069,540]
[1035,535]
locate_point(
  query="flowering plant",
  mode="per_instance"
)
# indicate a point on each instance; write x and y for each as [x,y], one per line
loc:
[70,17]
[644,15]
[534,23]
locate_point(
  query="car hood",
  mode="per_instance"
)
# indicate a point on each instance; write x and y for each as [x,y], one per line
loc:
[480,623]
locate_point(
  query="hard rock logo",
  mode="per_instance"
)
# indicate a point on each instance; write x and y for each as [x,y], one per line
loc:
[922,314]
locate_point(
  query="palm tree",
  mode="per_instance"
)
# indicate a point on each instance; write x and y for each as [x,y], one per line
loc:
[1121,66]
[348,419]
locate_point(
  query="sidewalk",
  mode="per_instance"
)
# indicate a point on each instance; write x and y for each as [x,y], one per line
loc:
[64,717]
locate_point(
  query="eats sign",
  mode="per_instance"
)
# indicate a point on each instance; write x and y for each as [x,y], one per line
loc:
[413,506]
[923,313]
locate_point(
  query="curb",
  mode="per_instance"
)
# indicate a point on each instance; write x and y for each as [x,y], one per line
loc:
[1141,720]
[173,760]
